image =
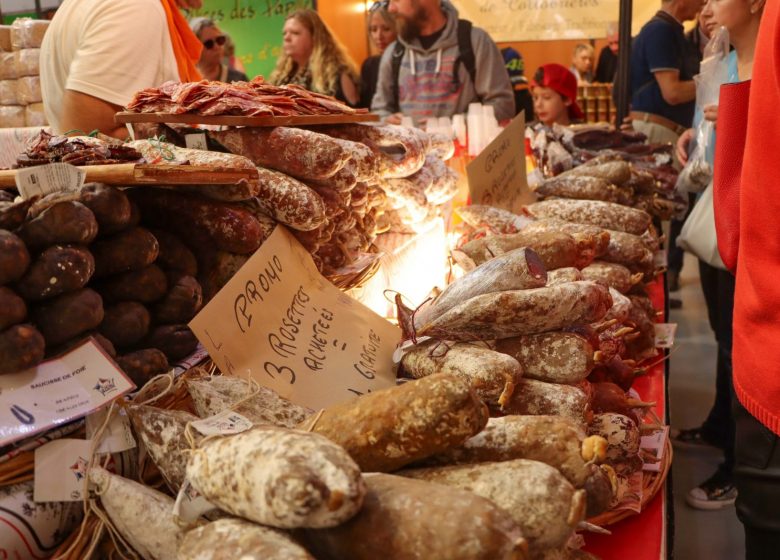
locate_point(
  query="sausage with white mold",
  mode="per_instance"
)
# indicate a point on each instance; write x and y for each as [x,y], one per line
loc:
[278,477]
[607,215]
[388,429]
[408,519]
[537,397]
[130,506]
[539,498]
[518,312]
[230,539]
[491,374]
[554,357]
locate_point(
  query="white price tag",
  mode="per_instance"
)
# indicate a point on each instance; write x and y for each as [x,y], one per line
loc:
[664,334]
[225,423]
[196,141]
[190,505]
[117,435]
[58,391]
[655,444]
[60,469]
[50,178]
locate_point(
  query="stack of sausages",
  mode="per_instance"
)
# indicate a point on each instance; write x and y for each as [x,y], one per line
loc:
[338,186]
[399,473]
[79,264]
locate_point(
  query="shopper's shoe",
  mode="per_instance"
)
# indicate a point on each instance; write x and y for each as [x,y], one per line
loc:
[675,303]
[673,279]
[693,437]
[717,492]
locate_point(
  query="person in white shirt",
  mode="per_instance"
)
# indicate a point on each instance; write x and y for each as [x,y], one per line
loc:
[96,54]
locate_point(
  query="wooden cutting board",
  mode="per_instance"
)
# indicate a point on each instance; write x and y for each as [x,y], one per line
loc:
[147,174]
[234,120]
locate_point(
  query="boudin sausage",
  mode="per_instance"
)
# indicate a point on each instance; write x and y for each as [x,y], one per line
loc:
[68,315]
[21,347]
[64,222]
[14,257]
[58,270]
[131,249]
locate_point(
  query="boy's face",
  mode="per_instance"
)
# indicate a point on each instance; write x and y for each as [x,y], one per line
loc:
[550,106]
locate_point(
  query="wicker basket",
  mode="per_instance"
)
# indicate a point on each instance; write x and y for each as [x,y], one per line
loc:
[352,280]
[652,482]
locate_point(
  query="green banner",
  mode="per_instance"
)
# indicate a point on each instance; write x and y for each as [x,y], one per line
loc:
[255,27]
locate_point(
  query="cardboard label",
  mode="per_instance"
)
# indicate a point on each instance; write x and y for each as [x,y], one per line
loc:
[664,334]
[60,470]
[117,435]
[655,444]
[296,332]
[196,141]
[58,391]
[50,178]
[226,422]
[497,175]
[190,505]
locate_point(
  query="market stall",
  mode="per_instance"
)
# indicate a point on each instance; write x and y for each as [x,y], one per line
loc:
[198,297]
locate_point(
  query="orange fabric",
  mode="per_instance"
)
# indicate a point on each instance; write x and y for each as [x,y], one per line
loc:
[186,46]
[756,346]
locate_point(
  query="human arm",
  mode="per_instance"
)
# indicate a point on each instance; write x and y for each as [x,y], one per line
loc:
[349,89]
[492,80]
[673,90]
[683,142]
[711,113]
[87,113]
[381,104]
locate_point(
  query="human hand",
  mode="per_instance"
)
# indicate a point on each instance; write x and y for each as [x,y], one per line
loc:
[682,146]
[395,118]
[627,124]
[711,113]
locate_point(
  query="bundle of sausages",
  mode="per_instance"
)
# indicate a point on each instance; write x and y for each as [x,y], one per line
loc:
[78,264]
[317,485]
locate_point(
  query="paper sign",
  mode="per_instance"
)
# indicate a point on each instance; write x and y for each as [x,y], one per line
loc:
[117,435]
[655,444]
[226,422]
[196,141]
[296,332]
[58,391]
[50,178]
[664,334]
[497,175]
[60,469]
[190,504]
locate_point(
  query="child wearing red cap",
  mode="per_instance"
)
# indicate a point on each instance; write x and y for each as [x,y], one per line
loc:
[555,95]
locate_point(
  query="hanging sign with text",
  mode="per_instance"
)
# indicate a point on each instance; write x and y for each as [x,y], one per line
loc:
[540,20]
[497,175]
[294,331]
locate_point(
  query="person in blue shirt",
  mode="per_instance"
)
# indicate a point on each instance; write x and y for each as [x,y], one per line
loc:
[662,68]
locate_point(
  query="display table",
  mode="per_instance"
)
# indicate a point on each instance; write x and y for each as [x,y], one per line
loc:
[642,536]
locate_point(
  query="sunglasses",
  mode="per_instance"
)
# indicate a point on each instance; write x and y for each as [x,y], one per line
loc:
[209,43]
[381,5]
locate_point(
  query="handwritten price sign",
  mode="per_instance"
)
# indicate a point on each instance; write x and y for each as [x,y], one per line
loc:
[296,332]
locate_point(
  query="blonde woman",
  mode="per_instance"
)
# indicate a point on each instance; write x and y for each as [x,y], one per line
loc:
[582,63]
[382,32]
[313,58]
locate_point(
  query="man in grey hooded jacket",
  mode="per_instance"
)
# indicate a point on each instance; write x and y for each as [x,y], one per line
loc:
[432,81]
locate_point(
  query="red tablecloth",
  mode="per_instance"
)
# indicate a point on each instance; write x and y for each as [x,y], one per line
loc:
[642,536]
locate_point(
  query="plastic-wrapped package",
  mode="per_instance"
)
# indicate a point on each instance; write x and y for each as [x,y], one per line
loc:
[5,38]
[28,90]
[7,66]
[28,33]
[8,92]
[34,115]
[27,62]
[11,116]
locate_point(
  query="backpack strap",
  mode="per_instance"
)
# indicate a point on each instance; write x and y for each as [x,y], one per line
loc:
[466,53]
[395,62]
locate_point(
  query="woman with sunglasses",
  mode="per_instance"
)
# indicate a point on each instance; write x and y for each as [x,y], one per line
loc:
[382,32]
[211,64]
[313,58]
